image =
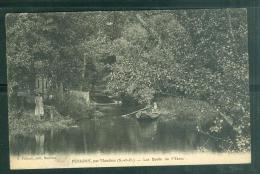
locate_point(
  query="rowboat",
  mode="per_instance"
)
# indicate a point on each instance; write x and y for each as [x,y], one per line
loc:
[144,115]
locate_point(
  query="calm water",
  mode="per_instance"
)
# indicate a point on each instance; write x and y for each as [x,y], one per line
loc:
[113,133]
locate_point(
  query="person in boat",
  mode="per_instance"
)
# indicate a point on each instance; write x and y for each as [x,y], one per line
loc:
[155,108]
[151,112]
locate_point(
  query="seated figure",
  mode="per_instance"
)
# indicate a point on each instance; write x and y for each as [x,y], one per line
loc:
[155,108]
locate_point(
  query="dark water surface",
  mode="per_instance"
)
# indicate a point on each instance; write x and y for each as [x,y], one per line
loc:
[113,133]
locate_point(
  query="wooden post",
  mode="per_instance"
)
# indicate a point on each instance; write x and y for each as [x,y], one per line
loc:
[61,94]
[87,97]
[83,73]
[51,113]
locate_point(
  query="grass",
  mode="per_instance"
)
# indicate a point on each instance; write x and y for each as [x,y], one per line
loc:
[28,123]
[186,109]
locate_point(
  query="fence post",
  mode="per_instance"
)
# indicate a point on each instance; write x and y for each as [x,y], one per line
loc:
[51,113]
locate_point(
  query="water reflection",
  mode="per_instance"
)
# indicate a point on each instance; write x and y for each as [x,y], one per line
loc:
[39,146]
[148,130]
[115,134]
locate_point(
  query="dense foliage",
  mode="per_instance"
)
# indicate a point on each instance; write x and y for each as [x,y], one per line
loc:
[198,54]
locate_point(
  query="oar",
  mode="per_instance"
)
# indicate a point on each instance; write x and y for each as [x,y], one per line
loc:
[134,112]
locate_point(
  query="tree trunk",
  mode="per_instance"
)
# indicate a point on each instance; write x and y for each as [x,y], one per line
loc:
[150,30]
[61,92]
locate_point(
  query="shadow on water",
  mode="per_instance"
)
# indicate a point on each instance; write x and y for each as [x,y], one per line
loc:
[113,133]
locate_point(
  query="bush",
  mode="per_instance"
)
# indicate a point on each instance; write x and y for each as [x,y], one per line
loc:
[28,123]
[75,107]
[187,109]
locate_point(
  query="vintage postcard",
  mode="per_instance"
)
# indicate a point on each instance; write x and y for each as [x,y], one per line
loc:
[128,88]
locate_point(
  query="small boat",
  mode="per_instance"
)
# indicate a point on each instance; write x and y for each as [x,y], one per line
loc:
[144,115]
[74,126]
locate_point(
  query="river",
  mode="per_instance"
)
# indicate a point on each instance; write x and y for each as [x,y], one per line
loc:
[112,133]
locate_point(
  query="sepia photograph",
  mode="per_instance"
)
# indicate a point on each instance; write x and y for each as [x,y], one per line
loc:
[128,88]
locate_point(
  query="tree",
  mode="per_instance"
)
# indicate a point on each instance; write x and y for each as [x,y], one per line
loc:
[200,54]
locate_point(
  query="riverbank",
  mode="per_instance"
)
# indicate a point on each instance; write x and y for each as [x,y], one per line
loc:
[186,109]
[27,123]
[181,109]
